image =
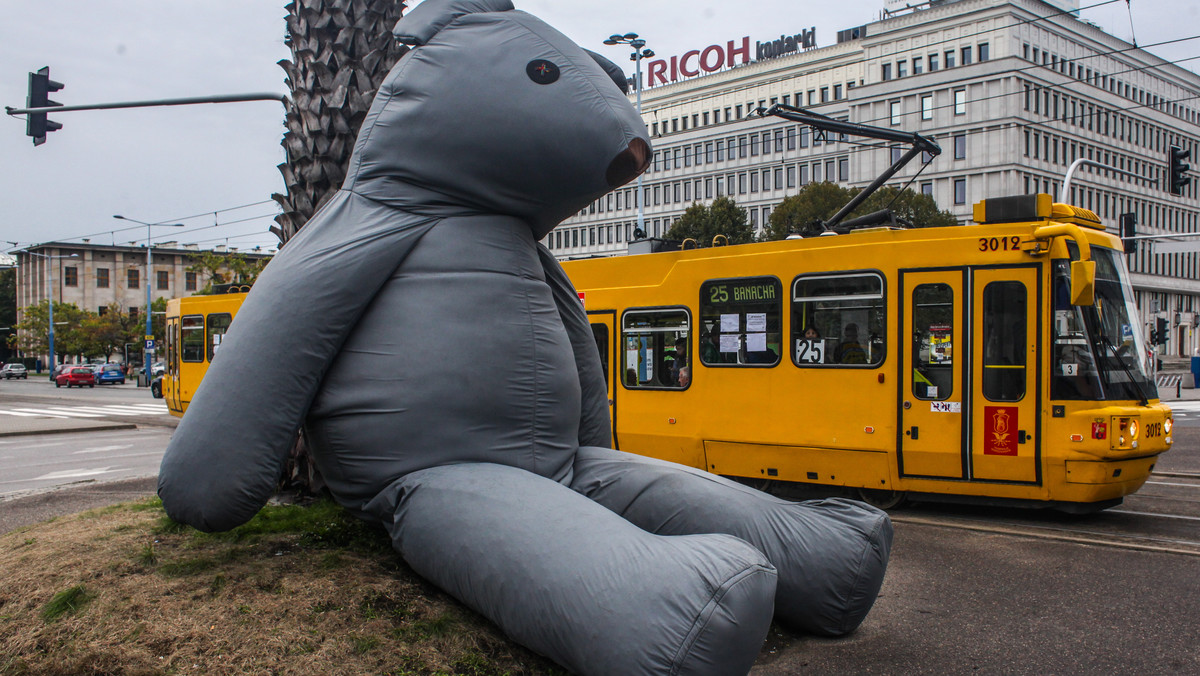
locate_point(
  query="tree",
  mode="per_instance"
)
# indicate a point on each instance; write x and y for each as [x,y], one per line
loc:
[702,223]
[814,202]
[33,336]
[8,309]
[817,202]
[230,268]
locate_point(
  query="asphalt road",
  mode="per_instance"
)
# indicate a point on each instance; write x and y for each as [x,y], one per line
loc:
[33,463]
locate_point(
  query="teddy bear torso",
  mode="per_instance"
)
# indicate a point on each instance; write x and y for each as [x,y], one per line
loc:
[429,375]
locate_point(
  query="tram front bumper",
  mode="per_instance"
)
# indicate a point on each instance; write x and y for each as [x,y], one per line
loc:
[1134,471]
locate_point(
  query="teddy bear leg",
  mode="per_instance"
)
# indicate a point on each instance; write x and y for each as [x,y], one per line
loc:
[572,580]
[831,554]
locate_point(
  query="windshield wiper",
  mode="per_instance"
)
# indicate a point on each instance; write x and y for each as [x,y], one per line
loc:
[1124,367]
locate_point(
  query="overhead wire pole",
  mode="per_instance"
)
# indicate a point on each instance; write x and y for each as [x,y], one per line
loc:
[227,98]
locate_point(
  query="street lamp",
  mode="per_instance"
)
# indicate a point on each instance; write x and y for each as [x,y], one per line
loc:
[638,54]
[149,269]
[50,296]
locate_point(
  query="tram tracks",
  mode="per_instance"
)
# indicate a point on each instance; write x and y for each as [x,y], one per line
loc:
[1163,517]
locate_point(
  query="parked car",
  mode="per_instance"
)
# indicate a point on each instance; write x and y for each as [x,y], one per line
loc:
[109,373]
[10,371]
[76,375]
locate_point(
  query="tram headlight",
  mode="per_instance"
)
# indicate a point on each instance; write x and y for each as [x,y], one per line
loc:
[1167,425]
[1133,429]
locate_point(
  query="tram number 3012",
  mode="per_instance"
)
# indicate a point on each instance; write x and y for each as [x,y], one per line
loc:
[1000,243]
[1154,430]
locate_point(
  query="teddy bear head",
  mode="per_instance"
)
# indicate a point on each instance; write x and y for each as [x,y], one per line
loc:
[494,111]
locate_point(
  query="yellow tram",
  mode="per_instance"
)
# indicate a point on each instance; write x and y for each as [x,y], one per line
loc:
[195,327]
[999,362]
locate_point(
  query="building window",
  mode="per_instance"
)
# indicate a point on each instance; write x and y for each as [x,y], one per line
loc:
[918,65]
[985,53]
[960,147]
[927,107]
[102,310]
[740,321]
[791,138]
[803,174]
[896,154]
[791,176]
[824,94]
[933,62]
[101,278]
[837,92]
[804,137]
[927,188]
[132,279]
[838,319]
[966,56]
[886,73]
[894,112]
[844,169]
[960,102]
[163,279]
[902,68]
[949,58]
[71,276]
[960,191]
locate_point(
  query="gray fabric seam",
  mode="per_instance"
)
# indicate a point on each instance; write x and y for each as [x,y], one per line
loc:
[705,615]
[860,570]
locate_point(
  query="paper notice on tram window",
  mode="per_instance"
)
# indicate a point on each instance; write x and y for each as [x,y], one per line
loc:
[756,342]
[729,342]
[755,322]
[731,323]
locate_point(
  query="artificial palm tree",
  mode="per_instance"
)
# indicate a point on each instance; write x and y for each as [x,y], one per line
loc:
[341,52]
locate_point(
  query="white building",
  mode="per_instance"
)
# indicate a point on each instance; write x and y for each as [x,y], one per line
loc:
[1013,90]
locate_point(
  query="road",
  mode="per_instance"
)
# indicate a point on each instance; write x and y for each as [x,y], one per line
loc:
[32,463]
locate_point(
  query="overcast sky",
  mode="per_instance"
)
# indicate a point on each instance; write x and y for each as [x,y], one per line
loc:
[182,164]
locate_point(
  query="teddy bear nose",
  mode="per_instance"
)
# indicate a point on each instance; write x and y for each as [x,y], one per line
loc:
[628,163]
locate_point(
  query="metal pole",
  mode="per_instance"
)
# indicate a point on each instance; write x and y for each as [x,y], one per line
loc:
[226,98]
[641,197]
[50,302]
[149,271]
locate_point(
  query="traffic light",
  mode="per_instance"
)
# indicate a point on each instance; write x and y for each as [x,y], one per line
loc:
[1129,231]
[1159,335]
[38,125]
[1178,178]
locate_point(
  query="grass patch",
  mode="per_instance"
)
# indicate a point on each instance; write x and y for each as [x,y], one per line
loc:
[298,590]
[66,602]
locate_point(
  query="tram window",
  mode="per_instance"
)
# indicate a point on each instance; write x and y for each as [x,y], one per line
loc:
[848,315]
[655,348]
[172,339]
[933,342]
[1004,347]
[600,335]
[741,321]
[218,324]
[192,338]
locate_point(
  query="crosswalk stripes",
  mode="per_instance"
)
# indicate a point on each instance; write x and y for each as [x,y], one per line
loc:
[1184,409]
[108,410]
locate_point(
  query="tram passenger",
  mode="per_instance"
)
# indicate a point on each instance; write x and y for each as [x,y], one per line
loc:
[850,351]
[681,359]
[685,376]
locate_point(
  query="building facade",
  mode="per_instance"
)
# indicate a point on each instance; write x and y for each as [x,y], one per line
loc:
[101,278]
[1014,91]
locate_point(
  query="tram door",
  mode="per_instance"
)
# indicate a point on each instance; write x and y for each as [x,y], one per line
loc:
[1004,410]
[932,393]
[603,330]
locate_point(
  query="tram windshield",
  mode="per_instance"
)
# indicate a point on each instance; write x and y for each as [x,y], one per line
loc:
[1098,351]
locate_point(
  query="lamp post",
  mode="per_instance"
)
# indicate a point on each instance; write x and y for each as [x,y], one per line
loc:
[638,54]
[50,297]
[149,269]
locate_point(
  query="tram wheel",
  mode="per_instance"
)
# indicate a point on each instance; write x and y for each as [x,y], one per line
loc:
[884,500]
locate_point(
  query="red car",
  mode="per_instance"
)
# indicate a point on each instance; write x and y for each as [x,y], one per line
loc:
[76,375]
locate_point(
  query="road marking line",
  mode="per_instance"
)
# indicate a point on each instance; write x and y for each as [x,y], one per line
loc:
[73,474]
[101,449]
[28,415]
[57,412]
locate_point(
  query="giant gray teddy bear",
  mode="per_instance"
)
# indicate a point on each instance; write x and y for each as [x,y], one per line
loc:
[445,374]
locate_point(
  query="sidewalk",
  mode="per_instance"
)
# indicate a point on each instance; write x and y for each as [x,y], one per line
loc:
[19,426]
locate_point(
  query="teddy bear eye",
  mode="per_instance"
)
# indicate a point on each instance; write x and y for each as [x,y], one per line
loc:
[542,71]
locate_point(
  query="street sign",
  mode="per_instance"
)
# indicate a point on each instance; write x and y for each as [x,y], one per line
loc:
[149,345]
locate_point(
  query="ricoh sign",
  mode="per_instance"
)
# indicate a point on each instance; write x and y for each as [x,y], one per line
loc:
[715,57]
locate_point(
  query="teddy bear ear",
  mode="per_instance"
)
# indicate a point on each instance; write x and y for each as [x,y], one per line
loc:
[617,75]
[426,19]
